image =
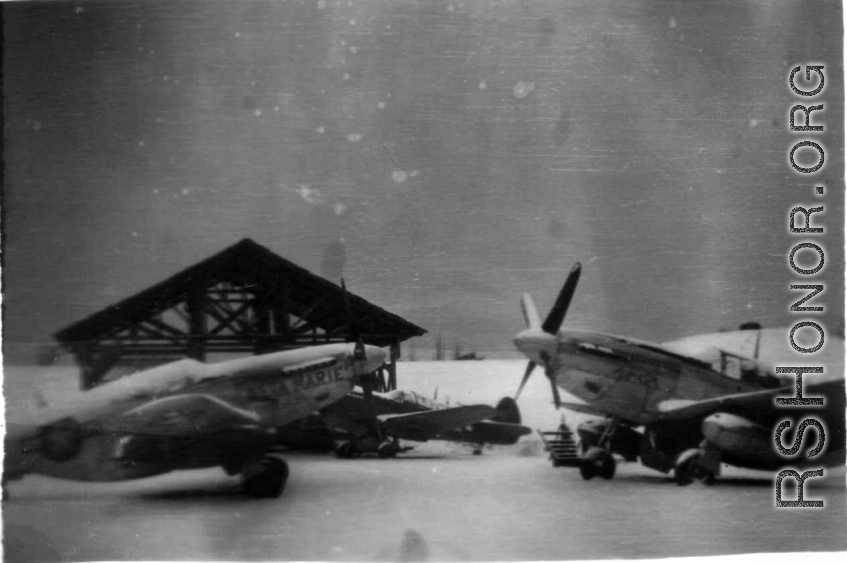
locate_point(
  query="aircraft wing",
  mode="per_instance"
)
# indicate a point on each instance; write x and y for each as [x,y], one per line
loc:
[760,402]
[428,425]
[583,408]
[311,365]
[184,415]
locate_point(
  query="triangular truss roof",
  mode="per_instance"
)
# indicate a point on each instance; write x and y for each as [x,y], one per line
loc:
[246,265]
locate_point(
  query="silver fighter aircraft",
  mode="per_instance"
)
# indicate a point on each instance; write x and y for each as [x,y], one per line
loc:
[672,411]
[187,415]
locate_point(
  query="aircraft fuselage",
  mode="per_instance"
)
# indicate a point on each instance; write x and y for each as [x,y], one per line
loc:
[628,380]
[99,428]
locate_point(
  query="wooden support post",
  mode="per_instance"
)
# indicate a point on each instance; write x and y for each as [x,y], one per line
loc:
[392,364]
[196,305]
[87,377]
[262,328]
[281,314]
[94,366]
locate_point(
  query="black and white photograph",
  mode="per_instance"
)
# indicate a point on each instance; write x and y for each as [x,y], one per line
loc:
[422,280]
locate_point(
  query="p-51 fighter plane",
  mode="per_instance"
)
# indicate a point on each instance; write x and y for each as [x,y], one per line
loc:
[409,416]
[672,411]
[188,415]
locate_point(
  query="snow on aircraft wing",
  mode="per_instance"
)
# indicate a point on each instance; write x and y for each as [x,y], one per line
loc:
[184,415]
[311,365]
[426,425]
[762,401]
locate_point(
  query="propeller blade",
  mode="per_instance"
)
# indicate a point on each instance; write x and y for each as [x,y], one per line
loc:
[529,367]
[530,313]
[360,355]
[367,386]
[352,328]
[557,400]
[554,320]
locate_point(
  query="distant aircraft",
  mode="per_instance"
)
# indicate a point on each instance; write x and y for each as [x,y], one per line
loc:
[409,416]
[187,415]
[693,415]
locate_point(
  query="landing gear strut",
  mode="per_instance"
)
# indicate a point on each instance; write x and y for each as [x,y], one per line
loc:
[597,460]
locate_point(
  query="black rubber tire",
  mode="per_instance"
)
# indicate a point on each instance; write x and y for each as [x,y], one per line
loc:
[387,450]
[345,450]
[682,474]
[271,481]
[587,470]
[607,468]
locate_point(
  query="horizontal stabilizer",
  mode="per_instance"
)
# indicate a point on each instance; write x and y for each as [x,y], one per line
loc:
[429,425]
[506,429]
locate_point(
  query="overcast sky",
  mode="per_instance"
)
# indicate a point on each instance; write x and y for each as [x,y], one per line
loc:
[444,156]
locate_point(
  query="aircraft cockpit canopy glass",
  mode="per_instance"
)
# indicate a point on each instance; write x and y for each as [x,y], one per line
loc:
[742,369]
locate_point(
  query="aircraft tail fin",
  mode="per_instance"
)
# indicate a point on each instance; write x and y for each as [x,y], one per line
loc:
[507,411]
[530,313]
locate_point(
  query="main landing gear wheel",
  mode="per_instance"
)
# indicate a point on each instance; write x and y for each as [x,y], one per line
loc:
[688,469]
[603,467]
[265,478]
[606,469]
[596,461]
[387,449]
[346,450]
[587,469]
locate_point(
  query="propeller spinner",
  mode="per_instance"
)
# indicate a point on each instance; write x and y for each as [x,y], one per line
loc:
[538,341]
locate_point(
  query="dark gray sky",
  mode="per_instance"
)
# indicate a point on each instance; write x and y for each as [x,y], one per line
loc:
[451,154]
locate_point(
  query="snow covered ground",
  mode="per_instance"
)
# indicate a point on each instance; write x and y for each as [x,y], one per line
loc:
[458,506]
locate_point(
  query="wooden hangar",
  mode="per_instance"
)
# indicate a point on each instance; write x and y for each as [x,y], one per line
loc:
[244,299]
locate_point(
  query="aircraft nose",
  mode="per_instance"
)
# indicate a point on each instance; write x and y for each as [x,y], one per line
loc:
[532,342]
[375,358]
[520,340]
